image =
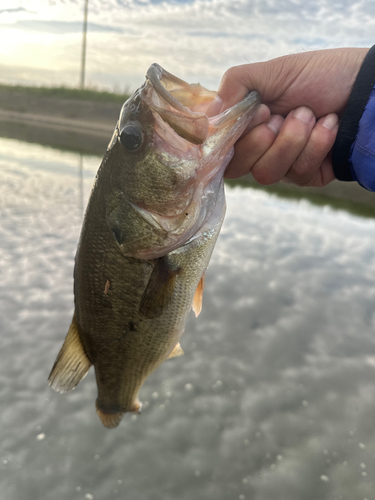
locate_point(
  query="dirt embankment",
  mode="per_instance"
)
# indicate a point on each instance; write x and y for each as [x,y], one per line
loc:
[81,125]
[87,126]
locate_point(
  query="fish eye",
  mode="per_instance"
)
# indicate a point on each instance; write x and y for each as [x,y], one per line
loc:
[131,137]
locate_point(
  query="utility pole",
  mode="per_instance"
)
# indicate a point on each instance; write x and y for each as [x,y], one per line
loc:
[83,58]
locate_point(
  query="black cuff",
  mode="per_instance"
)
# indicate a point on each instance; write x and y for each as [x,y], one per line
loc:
[350,120]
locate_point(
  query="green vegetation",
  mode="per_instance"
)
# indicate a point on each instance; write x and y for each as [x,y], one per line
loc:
[88,94]
[318,198]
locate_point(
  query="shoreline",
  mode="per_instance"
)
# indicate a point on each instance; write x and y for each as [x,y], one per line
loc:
[86,126]
[81,125]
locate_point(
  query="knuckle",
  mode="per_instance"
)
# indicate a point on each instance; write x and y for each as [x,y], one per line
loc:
[230,76]
[264,176]
[300,179]
[295,137]
[304,167]
[301,182]
[311,158]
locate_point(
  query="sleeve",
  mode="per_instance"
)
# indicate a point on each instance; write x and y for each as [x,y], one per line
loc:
[362,152]
[353,155]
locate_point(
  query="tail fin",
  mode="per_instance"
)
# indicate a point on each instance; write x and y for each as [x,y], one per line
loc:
[109,420]
[111,416]
[71,364]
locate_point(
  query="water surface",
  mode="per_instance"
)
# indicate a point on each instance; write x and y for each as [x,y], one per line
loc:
[274,398]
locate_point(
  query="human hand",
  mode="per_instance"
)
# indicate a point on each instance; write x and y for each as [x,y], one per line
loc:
[298,89]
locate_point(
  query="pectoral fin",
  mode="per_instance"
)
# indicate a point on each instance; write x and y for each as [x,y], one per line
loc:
[160,289]
[177,351]
[71,364]
[198,297]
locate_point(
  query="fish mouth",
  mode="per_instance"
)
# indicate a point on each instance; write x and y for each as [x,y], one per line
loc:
[183,106]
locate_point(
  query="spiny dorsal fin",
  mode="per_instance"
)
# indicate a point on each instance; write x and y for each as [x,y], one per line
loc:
[198,297]
[71,364]
[177,351]
[160,289]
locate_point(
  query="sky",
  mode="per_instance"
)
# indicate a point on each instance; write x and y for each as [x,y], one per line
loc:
[197,40]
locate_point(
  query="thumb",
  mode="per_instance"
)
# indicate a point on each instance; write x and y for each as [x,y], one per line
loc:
[236,83]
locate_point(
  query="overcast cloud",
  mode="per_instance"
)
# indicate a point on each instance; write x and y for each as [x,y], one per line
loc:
[194,39]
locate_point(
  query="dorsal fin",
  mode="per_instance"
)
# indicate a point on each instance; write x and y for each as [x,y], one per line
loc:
[158,294]
[198,297]
[177,351]
[71,364]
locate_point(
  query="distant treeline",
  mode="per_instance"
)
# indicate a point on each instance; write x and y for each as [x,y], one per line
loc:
[88,94]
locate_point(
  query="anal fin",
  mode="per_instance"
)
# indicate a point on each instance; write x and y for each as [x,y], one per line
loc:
[159,292]
[198,297]
[71,364]
[177,351]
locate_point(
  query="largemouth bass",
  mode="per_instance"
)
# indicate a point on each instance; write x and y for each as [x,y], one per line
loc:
[151,224]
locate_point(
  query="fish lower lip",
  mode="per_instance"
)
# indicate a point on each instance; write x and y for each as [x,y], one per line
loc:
[250,102]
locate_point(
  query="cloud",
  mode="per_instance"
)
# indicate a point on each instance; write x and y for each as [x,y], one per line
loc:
[197,39]
[62,27]
[14,10]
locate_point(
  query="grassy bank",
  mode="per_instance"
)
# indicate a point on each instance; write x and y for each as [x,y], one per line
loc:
[338,195]
[62,92]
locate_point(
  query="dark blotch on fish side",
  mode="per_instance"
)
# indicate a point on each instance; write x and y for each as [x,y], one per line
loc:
[120,238]
[132,327]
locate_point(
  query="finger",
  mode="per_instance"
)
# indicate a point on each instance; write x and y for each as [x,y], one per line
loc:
[234,86]
[324,175]
[252,146]
[215,107]
[312,167]
[270,78]
[289,143]
[262,115]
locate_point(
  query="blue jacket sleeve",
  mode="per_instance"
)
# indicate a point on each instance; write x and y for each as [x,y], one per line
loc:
[353,155]
[362,155]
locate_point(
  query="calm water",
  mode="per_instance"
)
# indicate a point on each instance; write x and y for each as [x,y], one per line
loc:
[274,398]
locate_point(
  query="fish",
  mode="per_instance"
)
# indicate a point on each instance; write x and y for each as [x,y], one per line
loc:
[152,220]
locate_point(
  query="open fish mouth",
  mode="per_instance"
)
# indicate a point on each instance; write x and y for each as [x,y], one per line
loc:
[166,118]
[183,106]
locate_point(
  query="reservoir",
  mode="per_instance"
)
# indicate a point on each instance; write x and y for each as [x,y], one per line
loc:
[274,398]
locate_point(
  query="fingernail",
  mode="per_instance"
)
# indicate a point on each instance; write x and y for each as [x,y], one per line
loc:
[330,121]
[304,114]
[275,122]
[215,106]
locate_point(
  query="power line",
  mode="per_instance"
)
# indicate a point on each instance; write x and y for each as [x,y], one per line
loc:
[83,58]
